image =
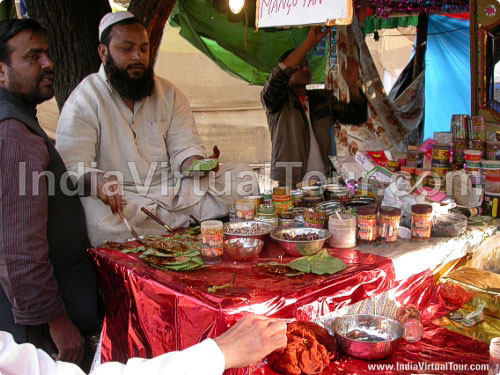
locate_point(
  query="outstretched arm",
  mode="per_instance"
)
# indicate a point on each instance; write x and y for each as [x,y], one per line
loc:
[314,36]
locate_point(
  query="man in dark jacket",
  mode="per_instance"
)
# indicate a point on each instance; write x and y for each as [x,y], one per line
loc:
[48,293]
[300,120]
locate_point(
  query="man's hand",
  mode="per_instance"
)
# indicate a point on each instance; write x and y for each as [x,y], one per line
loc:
[187,163]
[350,72]
[67,339]
[315,34]
[251,339]
[109,191]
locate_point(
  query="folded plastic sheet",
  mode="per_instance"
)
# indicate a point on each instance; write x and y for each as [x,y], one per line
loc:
[150,311]
[440,352]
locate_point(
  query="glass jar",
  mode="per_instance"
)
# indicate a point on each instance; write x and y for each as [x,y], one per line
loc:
[212,241]
[282,199]
[267,214]
[232,213]
[389,223]
[314,218]
[367,224]
[421,222]
[342,231]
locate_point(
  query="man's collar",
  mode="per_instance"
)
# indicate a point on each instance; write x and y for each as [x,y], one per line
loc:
[104,76]
[7,96]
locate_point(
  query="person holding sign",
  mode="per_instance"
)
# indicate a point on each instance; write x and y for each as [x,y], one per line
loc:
[300,120]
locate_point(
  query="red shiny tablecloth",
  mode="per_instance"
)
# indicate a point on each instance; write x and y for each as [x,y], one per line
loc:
[150,311]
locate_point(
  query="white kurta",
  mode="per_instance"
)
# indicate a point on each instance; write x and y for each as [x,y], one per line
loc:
[204,358]
[144,149]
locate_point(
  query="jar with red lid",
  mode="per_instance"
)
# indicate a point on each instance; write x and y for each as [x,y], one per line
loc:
[367,223]
[388,223]
[421,222]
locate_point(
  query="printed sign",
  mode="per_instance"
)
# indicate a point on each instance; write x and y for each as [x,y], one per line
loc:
[271,13]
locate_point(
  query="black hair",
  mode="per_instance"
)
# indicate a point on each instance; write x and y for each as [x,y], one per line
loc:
[285,55]
[106,34]
[10,28]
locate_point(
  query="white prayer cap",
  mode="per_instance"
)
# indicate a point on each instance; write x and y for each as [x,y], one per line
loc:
[110,19]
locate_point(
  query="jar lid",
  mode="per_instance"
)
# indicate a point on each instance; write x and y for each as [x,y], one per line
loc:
[366,210]
[441,146]
[281,190]
[421,209]
[390,211]
[211,224]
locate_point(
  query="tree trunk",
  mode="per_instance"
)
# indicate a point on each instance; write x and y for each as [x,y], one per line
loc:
[72,38]
[154,14]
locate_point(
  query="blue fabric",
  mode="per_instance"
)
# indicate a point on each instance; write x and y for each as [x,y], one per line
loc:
[447,73]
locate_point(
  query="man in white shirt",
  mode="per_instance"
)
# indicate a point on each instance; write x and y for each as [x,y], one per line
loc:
[125,121]
[248,341]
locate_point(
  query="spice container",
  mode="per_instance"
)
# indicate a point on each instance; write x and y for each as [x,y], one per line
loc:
[337,192]
[212,241]
[367,224]
[421,222]
[494,362]
[459,146]
[314,219]
[245,209]
[311,200]
[297,196]
[440,169]
[286,219]
[479,145]
[441,153]
[342,230]
[299,216]
[282,199]
[257,201]
[422,176]
[477,127]
[232,213]
[389,223]
[415,158]
[267,214]
[492,148]
[460,126]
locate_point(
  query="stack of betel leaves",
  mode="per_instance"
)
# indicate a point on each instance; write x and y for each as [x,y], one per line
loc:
[173,256]
[319,264]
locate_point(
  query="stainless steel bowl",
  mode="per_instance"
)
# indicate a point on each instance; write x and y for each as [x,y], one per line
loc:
[247,224]
[300,248]
[368,336]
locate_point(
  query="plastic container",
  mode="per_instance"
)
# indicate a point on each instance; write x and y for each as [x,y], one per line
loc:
[297,196]
[212,241]
[245,209]
[389,223]
[409,317]
[494,362]
[473,155]
[421,222]
[490,167]
[440,169]
[342,230]
[314,218]
[267,214]
[491,204]
[282,199]
[311,200]
[367,224]
[473,168]
[492,184]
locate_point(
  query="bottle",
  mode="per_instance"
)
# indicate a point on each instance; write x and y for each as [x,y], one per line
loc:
[494,363]
[409,317]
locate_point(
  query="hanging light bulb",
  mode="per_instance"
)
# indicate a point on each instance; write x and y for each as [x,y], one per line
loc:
[236,5]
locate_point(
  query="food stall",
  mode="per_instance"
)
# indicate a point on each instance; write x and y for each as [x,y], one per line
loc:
[392,236]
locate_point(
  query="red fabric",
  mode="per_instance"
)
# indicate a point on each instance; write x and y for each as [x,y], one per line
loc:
[149,311]
[439,347]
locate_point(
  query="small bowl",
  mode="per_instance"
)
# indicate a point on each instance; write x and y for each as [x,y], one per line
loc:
[300,248]
[236,225]
[243,249]
[368,336]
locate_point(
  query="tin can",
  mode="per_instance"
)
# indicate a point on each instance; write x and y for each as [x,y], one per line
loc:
[459,146]
[492,148]
[415,158]
[441,152]
[491,204]
[421,222]
[460,126]
[477,128]
[479,145]
[440,169]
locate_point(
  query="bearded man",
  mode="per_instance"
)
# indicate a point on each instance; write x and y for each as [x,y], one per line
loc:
[123,128]
[48,294]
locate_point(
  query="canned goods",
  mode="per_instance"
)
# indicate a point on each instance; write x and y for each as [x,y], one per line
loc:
[440,169]
[460,126]
[389,223]
[477,128]
[367,224]
[492,148]
[441,152]
[415,158]
[490,204]
[479,145]
[421,222]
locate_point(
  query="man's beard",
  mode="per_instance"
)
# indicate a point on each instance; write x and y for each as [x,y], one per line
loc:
[128,87]
[29,92]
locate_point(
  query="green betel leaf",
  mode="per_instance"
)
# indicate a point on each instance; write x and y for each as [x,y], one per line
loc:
[203,165]
[320,263]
